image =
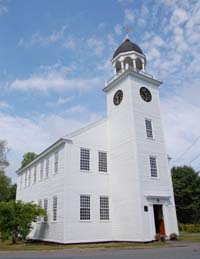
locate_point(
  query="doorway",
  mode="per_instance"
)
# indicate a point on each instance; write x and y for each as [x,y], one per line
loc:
[159,220]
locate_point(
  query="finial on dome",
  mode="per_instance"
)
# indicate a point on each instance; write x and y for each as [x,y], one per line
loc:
[127,29]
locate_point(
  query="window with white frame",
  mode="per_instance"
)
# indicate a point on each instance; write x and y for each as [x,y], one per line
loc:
[102,161]
[45,208]
[84,207]
[55,206]
[41,169]
[56,162]
[84,159]
[149,128]
[26,179]
[20,183]
[153,166]
[35,174]
[47,168]
[40,203]
[104,208]
[29,177]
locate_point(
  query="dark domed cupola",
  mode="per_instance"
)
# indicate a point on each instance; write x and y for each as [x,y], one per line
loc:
[126,46]
[128,56]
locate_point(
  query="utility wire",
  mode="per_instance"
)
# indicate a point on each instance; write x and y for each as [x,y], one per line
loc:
[194,158]
[187,149]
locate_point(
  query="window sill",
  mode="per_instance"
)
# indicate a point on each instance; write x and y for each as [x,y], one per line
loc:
[105,221]
[154,178]
[150,138]
[103,173]
[85,171]
[85,221]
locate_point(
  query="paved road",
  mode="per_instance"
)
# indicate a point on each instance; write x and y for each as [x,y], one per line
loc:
[184,251]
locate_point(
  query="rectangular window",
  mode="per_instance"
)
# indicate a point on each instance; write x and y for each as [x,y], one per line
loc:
[153,166]
[35,174]
[102,162]
[56,162]
[85,159]
[104,208]
[21,179]
[47,168]
[41,170]
[29,177]
[84,207]
[45,208]
[40,203]
[26,179]
[55,200]
[149,129]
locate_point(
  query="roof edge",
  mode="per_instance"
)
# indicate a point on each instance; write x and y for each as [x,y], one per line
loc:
[46,151]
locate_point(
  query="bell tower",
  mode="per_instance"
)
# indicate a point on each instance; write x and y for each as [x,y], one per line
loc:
[140,176]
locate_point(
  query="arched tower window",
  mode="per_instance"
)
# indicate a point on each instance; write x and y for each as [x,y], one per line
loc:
[128,62]
[118,67]
[138,63]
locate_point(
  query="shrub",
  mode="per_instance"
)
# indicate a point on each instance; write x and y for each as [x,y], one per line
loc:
[173,236]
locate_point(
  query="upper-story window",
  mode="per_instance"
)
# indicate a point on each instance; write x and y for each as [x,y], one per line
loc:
[149,128]
[29,177]
[47,168]
[102,161]
[153,166]
[26,179]
[85,159]
[20,182]
[35,174]
[56,162]
[84,207]
[41,169]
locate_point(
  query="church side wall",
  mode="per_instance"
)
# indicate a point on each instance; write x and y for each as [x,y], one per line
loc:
[46,189]
[92,183]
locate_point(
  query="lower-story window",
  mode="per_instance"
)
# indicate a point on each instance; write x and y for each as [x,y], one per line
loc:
[45,208]
[153,166]
[84,207]
[104,208]
[55,205]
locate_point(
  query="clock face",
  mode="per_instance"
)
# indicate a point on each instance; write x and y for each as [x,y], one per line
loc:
[145,94]
[118,97]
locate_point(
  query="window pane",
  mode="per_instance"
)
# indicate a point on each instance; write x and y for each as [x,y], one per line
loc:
[84,207]
[149,130]
[84,159]
[56,162]
[153,166]
[54,208]
[102,161]
[104,208]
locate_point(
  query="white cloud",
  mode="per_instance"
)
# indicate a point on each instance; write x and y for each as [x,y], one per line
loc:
[39,39]
[3,8]
[125,2]
[118,29]
[37,133]
[96,46]
[181,128]
[129,16]
[54,78]
[60,101]
[76,109]
[4,105]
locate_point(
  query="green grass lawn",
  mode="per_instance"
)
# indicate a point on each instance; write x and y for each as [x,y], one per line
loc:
[7,246]
[42,246]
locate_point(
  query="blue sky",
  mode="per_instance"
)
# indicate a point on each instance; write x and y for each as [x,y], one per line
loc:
[55,57]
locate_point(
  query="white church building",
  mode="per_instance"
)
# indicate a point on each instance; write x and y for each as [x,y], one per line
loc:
[109,181]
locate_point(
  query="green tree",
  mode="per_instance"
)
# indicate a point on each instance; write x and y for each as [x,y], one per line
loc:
[16,219]
[27,158]
[186,183]
[5,187]
[3,152]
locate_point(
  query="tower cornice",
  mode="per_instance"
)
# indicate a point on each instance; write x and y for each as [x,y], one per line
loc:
[140,75]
